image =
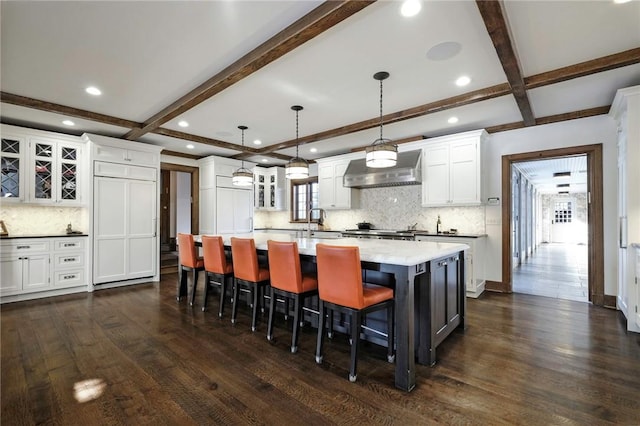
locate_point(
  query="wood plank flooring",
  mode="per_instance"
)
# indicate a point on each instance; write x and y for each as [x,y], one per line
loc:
[554,270]
[522,360]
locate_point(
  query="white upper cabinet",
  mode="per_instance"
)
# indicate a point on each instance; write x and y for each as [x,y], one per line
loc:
[224,208]
[332,195]
[452,170]
[42,167]
[270,188]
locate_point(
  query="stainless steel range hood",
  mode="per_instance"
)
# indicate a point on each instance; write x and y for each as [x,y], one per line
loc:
[407,171]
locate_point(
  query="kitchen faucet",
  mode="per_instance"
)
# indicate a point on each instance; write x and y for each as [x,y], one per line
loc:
[323,215]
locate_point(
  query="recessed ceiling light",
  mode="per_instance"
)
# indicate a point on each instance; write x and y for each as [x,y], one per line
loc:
[463,80]
[183,123]
[68,123]
[264,160]
[313,150]
[621,1]
[257,142]
[410,8]
[93,91]
[190,146]
[452,120]
[444,51]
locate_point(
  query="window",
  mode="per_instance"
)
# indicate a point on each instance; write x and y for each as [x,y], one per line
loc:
[563,212]
[304,196]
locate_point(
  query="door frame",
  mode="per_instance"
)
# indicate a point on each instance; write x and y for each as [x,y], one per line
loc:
[195,191]
[594,215]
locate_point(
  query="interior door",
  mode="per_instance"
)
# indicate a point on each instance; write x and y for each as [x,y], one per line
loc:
[165,198]
[563,219]
[515,217]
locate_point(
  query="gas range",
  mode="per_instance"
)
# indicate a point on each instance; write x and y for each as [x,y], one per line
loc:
[380,234]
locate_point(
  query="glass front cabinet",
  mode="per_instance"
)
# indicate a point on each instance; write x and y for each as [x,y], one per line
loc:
[40,169]
[269,188]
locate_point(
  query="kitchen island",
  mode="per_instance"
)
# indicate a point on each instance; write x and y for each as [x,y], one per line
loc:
[428,279]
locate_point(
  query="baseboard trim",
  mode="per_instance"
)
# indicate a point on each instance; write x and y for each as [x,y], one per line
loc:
[496,286]
[610,301]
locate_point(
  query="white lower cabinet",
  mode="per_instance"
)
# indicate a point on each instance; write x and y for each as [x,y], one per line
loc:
[474,262]
[38,265]
[234,211]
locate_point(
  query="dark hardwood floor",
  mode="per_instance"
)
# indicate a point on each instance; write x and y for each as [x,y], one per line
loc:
[522,360]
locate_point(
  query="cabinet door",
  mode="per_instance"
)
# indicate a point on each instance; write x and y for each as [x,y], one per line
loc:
[142,158]
[208,211]
[446,303]
[242,211]
[141,224]
[42,184]
[35,272]
[261,190]
[342,195]
[435,186]
[224,211]
[109,249]
[326,187]
[13,153]
[109,153]
[465,177]
[10,275]
[68,174]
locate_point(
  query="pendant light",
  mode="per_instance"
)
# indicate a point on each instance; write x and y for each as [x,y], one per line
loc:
[297,168]
[382,152]
[242,176]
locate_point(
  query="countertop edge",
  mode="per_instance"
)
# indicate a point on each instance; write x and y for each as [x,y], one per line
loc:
[15,237]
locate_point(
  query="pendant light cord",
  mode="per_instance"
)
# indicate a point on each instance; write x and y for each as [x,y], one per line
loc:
[242,130]
[297,144]
[380,109]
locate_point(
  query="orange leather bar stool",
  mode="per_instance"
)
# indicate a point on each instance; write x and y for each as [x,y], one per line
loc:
[340,288]
[287,281]
[248,274]
[217,270]
[189,261]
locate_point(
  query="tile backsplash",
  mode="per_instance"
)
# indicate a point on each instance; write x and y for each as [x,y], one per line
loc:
[390,208]
[21,219]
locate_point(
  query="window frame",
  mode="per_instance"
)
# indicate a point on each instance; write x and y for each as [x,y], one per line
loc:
[308,182]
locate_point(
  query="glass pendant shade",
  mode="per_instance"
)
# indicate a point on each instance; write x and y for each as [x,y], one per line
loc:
[297,168]
[382,153]
[242,176]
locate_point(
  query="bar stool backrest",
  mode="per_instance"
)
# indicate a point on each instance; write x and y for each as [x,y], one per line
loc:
[340,275]
[284,266]
[214,258]
[245,259]
[187,251]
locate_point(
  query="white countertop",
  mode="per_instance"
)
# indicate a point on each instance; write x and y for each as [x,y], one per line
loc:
[394,252]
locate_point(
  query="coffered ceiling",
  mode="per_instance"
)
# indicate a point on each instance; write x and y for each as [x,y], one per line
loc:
[220,64]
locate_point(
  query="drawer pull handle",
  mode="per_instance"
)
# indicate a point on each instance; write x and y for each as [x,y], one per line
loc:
[24,247]
[69,244]
[69,259]
[69,277]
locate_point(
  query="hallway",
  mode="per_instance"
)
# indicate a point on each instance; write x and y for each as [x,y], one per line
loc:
[554,270]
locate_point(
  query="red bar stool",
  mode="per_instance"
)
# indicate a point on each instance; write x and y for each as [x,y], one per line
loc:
[340,288]
[189,261]
[288,281]
[247,274]
[217,270]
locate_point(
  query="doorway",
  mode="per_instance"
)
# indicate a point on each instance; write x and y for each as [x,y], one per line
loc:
[594,225]
[179,205]
[549,227]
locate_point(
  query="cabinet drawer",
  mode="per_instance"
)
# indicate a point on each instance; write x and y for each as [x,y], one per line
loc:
[69,244]
[67,260]
[25,247]
[71,278]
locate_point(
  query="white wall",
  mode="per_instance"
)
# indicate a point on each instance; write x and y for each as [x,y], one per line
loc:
[586,131]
